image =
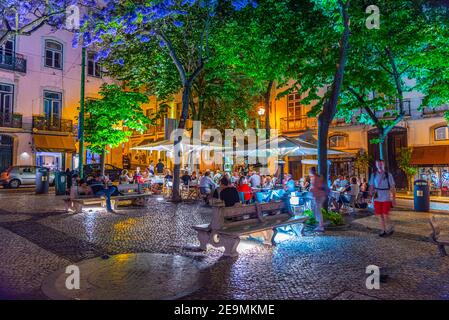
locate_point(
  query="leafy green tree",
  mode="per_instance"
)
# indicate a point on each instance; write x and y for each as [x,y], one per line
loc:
[257,43]
[405,156]
[107,117]
[324,35]
[383,62]
[181,29]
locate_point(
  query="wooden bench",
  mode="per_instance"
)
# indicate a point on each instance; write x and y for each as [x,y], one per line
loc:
[229,224]
[131,193]
[440,240]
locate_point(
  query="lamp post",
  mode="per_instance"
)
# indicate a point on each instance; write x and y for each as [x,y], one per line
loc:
[261,113]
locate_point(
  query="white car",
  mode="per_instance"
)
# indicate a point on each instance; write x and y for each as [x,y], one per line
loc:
[16,176]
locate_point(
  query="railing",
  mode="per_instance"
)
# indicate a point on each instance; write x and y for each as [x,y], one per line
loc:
[154,129]
[14,62]
[393,112]
[298,124]
[55,124]
[437,111]
[13,120]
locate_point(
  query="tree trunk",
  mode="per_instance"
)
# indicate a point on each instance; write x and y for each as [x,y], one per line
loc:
[267,108]
[323,133]
[182,123]
[330,107]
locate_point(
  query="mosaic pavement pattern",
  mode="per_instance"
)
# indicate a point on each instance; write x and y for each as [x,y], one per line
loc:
[38,240]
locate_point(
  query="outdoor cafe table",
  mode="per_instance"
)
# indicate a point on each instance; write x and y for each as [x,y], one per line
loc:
[266,195]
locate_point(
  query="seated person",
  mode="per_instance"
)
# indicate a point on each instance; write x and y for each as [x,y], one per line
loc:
[228,193]
[245,188]
[350,192]
[364,188]
[306,185]
[194,179]
[146,176]
[268,184]
[207,186]
[124,177]
[289,184]
[186,178]
[84,189]
[168,176]
[100,187]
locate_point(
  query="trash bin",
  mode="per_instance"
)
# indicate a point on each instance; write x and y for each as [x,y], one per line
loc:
[60,183]
[42,181]
[421,196]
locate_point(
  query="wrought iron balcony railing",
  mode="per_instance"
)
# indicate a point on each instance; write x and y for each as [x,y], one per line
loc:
[393,112]
[11,120]
[56,124]
[437,111]
[298,124]
[13,62]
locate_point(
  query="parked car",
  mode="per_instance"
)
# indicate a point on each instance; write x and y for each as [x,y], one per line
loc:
[15,176]
[109,170]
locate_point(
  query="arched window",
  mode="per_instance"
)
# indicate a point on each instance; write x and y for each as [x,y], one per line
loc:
[338,141]
[53,54]
[442,133]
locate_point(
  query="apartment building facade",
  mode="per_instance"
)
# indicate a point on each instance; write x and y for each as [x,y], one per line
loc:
[423,129]
[40,80]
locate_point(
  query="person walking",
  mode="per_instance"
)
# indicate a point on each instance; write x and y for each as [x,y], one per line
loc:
[382,189]
[319,190]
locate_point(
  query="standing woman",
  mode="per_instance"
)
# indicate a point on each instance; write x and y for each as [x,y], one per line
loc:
[320,190]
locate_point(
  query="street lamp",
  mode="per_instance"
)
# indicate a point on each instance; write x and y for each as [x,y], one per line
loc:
[261,111]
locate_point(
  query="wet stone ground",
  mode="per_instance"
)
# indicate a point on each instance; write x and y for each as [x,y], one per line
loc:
[38,238]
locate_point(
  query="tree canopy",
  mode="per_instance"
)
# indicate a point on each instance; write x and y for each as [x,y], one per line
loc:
[107,117]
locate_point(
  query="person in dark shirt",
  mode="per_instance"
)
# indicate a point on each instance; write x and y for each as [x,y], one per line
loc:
[68,179]
[160,167]
[186,178]
[99,187]
[228,194]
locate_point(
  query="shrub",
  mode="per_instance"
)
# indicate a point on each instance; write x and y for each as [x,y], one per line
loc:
[311,221]
[335,218]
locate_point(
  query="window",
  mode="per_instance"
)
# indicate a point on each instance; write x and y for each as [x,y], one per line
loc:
[442,133]
[93,67]
[6,103]
[337,141]
[52,107]
[7,53]
[53,54]
[294,106]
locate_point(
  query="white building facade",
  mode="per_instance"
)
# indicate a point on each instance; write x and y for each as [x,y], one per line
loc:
[40,80]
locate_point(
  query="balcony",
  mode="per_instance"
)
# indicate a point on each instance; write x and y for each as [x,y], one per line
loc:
[298,124]
[13,62]
[435,112]
[45,124]
[387,114]
[13,120]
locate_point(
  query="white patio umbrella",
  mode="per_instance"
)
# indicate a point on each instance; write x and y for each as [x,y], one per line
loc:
[282,146]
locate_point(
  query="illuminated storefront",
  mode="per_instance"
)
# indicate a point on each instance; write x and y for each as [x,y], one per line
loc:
[433,166]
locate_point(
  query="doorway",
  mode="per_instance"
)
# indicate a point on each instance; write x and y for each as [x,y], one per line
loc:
[397,139]
[6,148]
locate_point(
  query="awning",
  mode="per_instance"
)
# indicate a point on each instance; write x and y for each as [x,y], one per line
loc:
[48,143]
[431,155]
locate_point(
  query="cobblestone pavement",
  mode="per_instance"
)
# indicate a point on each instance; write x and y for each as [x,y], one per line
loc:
[39,238]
